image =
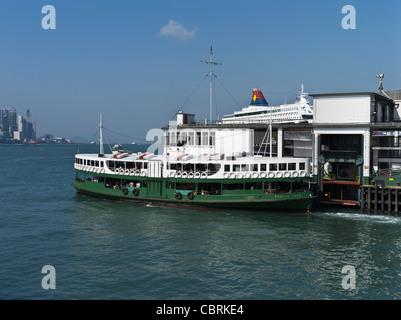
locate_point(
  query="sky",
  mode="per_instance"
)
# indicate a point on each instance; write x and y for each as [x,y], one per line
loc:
[138,62]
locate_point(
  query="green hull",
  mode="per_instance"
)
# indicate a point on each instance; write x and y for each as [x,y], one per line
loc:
[156,191]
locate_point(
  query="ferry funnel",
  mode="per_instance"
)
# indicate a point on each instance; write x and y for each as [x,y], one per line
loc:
[257,98]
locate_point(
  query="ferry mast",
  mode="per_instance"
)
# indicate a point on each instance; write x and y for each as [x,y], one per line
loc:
[211,75]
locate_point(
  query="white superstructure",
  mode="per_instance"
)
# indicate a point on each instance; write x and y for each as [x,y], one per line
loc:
[300,111]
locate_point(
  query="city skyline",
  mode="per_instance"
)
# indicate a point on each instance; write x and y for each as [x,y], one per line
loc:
[14,127]
[139,63]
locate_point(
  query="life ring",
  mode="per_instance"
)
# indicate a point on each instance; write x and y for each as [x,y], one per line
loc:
[247,175]
[226,175]
[255,175]
[204,175]
[190,195]
[135,192]
[132,172]
[279,175]
[125,191]
[178,174]
[197,175]
[184,174]
[143,174]
[127,171]
[263,174]
[287,174]
[295,174]
[122,171]
[172,174]
[232,175]
[137,172]
[178,195]
[240,175]
[271,174]
[190,175]
[302,174]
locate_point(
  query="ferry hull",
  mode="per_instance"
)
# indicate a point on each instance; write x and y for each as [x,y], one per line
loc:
[294,201]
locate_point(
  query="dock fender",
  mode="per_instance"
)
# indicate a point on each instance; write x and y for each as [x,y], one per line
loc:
[190,195]
[125,191]
[178,195]
[135,192]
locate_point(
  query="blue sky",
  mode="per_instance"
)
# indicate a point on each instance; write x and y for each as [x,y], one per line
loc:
[113,57]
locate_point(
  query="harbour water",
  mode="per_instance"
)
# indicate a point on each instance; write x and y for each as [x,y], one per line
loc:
[103,249]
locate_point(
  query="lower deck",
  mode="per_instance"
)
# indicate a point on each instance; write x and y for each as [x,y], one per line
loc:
[246,193]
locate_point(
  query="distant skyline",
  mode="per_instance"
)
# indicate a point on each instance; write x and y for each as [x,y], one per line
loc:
[137,62]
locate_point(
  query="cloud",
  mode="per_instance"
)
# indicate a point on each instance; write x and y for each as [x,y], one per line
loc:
[176,30]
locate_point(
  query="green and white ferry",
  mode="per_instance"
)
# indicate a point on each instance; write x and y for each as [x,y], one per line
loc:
[204,165]
[207,165]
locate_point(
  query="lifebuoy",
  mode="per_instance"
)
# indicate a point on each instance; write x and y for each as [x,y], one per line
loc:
[240,175]
[263,174]
[232,175]
[178,195]
[172,174]
[279,174]
[125,191]
[135,192]
[178,174]
[255,175]
[197,175]
[247,175]
[271,174]
[190,195]
[143,174]
[226,175]
[126,171]
[287,174]
[204,175]
[295,174]
[132,172]
[190,175]
[137,172]
[302,174]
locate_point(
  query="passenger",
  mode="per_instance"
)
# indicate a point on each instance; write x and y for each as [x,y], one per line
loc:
[138,185]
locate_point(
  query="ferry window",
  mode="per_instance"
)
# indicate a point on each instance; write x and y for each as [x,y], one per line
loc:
[92,163]
[101,164]
[204,139]
[173,166]
[273,167]
[291,166]
[97,163]
[255,167]
[302,166]
[227,168]
[190,138]
[214,167]
[198,139]
[263,167]
[236,167]
[244,167]
[212,138]
[209,189]
[253,185]
[200,167]
[233,186]
[188,167]
[282,166]
[138,165]
[145,165]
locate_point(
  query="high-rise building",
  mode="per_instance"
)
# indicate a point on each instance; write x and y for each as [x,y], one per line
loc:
[14,126]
